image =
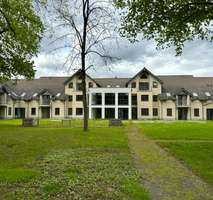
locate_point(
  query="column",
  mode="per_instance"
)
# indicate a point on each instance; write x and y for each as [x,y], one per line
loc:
[130,105]
[103,105]
[116,105]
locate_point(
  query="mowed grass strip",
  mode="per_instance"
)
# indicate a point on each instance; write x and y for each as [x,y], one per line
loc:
[198,156]
[64,163]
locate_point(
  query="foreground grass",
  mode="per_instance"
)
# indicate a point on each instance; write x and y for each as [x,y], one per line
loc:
[64,163]
[183,143]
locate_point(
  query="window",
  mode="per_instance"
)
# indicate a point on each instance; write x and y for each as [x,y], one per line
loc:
[70,98]
[169,112]
[134,99]
[144,97]
[70,85]
[79,111]
[96,99]
[33,111]
[9,111]
[69,111]
[79,97]
[155,98]
[144,111]
[109,113]
[196,112]
[79,86]
[123,98]
[90,84]
[144,86]
[133,85]
[144,76]
[109,99]
[155,84]
[57,111]
[155,112]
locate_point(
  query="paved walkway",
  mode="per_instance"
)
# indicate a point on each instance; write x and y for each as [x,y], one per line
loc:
[164,176]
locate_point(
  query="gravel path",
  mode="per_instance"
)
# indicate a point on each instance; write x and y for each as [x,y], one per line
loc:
[164,176]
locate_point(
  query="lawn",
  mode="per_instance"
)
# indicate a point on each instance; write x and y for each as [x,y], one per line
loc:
[56,162]
[192,143]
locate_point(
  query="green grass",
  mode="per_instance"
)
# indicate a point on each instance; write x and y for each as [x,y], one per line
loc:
[52,161]
[198,156]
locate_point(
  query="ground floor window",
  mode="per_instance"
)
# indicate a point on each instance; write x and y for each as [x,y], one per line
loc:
[57,111]
[155,112]
[79,111]
[33,111]
[69,111]
[196,112]
[109,113]
[144,111]
[169,112]
[9,111]
[96,113]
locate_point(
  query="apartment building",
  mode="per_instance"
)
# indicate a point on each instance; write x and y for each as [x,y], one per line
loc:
[143,96]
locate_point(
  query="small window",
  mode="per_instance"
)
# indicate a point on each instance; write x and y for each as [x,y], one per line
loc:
[155,84]
[155,112]
[69,111]
[196,112]
[155,98]
[57,111]
[79,111]
[70,98]
[79,97]
[70,85]
[144,76]
[169,112]
[144,86]
[144,111]
[144,97]
[90,85]
[33,111]
[133,85]
[9,111]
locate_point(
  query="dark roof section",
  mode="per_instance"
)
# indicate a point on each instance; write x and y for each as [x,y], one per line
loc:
[78,73]
[144,70]
[112,82]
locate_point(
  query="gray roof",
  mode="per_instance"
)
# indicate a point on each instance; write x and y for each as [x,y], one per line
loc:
[113,82]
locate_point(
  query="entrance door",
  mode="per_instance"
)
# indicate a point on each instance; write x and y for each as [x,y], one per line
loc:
[182,113]
[123,113]
[45,112]
[209,114]
[20,113]
[135,113]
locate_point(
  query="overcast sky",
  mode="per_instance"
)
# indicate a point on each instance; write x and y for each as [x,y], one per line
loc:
[197,59]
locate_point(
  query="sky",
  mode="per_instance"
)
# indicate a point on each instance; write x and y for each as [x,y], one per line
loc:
[196,59]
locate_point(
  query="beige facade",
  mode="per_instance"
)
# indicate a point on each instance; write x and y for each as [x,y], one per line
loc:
[145,96]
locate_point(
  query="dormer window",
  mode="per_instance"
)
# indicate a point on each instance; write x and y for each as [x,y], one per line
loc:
[195,94]
[133,85]
[70,85]
[207,94]
[155,84]
[90,85]
[23,94]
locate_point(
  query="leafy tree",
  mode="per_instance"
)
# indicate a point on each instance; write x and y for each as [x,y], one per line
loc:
[20,33]
[168,22]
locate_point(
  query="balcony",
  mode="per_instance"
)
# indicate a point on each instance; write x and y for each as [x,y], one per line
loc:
[182,101]
[45,101]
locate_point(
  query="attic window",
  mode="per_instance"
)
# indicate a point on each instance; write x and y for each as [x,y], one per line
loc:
[14,93]
[70,85]
[23,94]
[144,76]
[195,94]
[168,94]
[90,85]
[207,94]
[108,86]
[58,94]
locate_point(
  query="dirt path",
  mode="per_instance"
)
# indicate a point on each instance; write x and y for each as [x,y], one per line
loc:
[164,176]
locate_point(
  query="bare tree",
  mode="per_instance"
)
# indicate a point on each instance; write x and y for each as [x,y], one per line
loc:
[83,26]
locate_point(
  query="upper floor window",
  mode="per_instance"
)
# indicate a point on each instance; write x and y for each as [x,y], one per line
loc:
[144,97]
[79,86]
[133,85]
[155,98]
[70,98]
[155,84]
[79,97]
[70,85]
[123,99]
[144,86]
[90,84]
[134,99]
[109,98]
[96,99]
